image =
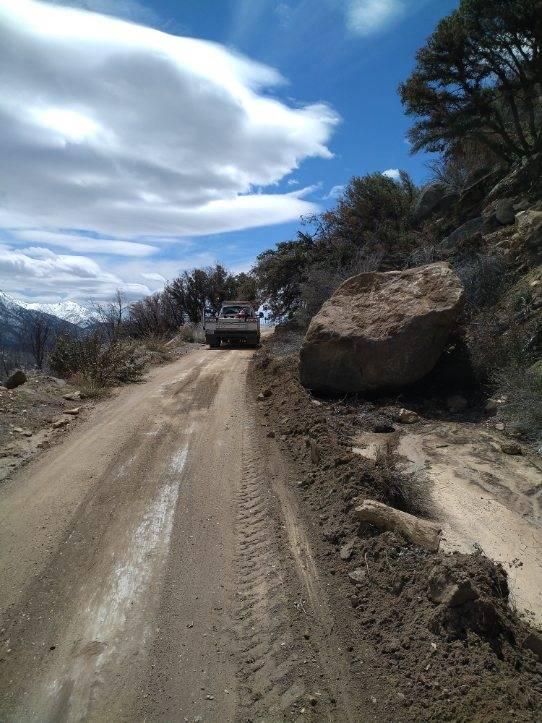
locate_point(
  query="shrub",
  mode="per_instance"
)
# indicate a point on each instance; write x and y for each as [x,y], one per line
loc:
[494,343]
[187,333]
[483,277]
[522,389]
[104,362]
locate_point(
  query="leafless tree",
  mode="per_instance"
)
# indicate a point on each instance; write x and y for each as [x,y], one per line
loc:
[38,334]
[112,315]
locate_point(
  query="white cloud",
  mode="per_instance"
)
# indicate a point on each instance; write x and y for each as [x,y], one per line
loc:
[86,244]
[153,277]
[129,9]
[393,173]
[365,17]
[335,192]
[127,131]
[39,269]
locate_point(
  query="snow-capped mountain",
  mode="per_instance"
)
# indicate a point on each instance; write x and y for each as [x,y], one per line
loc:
[66,310]
[16,319]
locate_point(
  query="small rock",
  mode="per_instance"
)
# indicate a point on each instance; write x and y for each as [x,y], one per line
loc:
[445,589]
[357,575]
[511,448]
[27,433]
[407,416]
[73,396]
[456,403]
[18,430]
[16,379]
[260,397]
[267,393]
[271,434]
[500,426]
[73,411]
[316,402]
[58,423]
[346,550]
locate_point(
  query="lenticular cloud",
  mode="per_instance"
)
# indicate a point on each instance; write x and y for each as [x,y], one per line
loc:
[128,131]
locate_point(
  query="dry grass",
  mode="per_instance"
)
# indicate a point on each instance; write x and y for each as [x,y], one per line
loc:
[403,491]
[89,388]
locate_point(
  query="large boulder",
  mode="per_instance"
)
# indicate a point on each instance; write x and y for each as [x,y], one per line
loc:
[381,330]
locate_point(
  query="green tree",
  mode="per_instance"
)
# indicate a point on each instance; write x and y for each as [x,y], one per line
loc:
[280,271]
[479,76]
[374,215]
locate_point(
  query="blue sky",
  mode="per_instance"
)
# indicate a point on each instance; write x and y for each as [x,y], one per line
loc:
[134,153]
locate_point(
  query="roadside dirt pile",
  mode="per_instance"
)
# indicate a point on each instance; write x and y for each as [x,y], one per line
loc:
[30,416]
[381,330]
[431,636]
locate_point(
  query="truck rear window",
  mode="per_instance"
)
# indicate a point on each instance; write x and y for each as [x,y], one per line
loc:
[235,310]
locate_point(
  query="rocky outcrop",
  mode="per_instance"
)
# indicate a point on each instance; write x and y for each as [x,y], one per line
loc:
[433,198]
[499,213]
[381,330]
[465,232]
[524,179]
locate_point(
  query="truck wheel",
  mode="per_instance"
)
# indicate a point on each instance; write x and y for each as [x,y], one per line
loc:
[212,342]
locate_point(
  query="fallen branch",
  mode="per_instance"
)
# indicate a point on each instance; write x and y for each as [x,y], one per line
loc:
[420,532]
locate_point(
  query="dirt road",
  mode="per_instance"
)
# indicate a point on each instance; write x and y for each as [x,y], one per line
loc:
[153,567]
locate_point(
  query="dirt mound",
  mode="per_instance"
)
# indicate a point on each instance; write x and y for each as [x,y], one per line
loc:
[431,636]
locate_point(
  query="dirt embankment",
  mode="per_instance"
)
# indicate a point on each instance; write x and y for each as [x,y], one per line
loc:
[33,417]
[419,649]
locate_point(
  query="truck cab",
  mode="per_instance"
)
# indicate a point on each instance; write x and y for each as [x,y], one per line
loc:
[236,322]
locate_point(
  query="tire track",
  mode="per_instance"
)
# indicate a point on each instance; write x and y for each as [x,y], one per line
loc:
[282,674]
[268,682]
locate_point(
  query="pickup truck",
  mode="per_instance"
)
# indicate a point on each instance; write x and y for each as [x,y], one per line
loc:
[236,322]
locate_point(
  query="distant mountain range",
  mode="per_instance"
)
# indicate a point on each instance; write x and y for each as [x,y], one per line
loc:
[15,316]
[67,310]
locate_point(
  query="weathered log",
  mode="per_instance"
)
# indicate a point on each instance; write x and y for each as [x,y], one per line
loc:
[420,532]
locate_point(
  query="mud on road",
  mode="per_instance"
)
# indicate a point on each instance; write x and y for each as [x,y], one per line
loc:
[155,567]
